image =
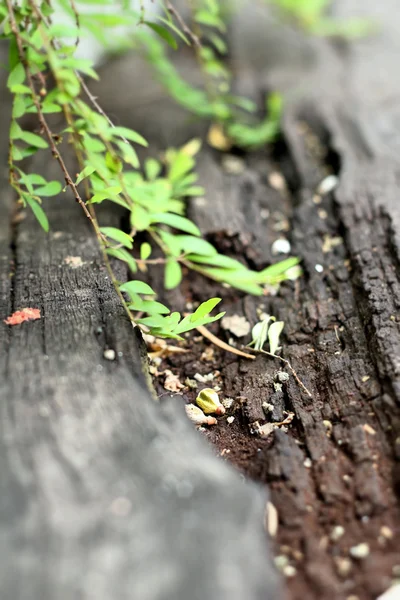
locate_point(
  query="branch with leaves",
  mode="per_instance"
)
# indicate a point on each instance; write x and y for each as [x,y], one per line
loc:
[154,194]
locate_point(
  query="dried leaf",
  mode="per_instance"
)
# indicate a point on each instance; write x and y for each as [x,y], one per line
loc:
[236,324]
[172,383]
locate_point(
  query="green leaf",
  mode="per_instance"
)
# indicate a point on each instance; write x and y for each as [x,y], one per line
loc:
[187,323]
[129,134]
[170,241]
[119,236]
[19,107]
[277,270]
[113,163]
[275,330]
[109,193]
[163,33]
[145,251]
[129,154]
[38,212]
[52,188]
[195,245]
[19,88]
[259,333]
[137,287]
[34,179]
[152,168]
[139,218]
[155,320]
[180,165]
[177,222]
[33,140]
[17,76]
[173,274]
[86,172]
[13,55]
[218,260]
[175,29]
[149,306]
[123,255]
[204,309]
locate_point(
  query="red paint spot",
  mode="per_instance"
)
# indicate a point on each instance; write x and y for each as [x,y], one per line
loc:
[26,314]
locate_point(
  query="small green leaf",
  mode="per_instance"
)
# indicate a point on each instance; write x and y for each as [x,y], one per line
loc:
[129,154]
[145,251]
[170,241]
[108,193]
[86,172]
[152,168]
[137,287]
[113,163]
[149,306]
[177,222]
[123,255]
[19,107]
[140,218]
[17,76]
[275,330]
[50,189]
[204,309]
[259,333]
[195,245]
[173,274]
[163,33]
[119,236]
[38,212]
[181,164]
[32,139]
[129,134]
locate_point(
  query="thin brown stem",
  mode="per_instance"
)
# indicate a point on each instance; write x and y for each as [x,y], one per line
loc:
[185,28]
[289,366]
[42,120]
[215,340]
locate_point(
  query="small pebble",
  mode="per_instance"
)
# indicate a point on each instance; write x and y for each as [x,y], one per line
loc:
[336,533]
[233,165]
[360,551]
[277,181]
[319,268]
[343,566]
[289,571]
[282,376]
[281,561]
[230,420]
[387,532]
[227,402]
[307,463]
[109,354]
[268,408]
[327,185]
[281,246]
[271,519]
